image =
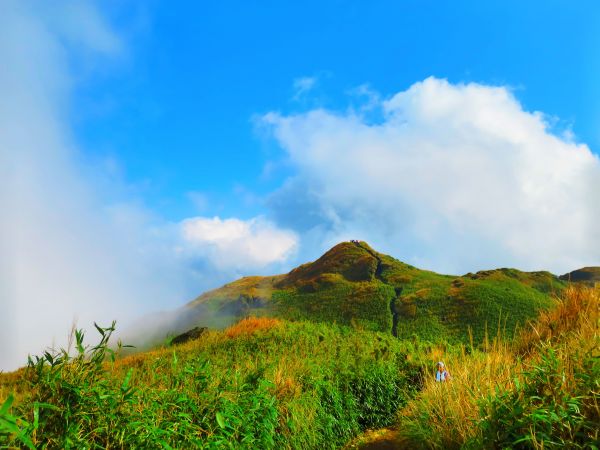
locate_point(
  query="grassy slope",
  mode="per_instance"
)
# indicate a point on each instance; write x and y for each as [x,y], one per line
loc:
[541,390]
[267,383]
[270,383]
[352,284]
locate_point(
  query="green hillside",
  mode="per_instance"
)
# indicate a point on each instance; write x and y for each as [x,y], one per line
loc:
[352,284]
[301,381]
[273,384]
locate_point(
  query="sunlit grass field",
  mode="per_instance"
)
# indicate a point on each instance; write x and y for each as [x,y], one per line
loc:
[540,390]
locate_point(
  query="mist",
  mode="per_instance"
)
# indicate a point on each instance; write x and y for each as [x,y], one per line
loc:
[76,246]
[75,249]
[70,254]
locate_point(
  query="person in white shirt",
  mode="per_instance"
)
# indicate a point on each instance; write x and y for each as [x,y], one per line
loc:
[442,373]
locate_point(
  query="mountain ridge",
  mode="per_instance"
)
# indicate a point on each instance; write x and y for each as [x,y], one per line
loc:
[587,275]
[353,284]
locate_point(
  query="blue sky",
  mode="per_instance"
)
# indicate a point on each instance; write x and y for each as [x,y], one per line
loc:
[152,150]
[177,112]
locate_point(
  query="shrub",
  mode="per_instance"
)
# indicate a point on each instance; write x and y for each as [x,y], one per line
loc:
[554,405]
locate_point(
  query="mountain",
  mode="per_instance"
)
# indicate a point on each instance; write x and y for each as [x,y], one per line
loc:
[352,284]
[586,275]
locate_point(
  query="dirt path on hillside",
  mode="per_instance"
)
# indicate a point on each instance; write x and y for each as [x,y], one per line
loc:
[378,272]
[383,439]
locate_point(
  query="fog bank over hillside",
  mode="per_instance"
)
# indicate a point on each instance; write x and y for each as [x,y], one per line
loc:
[76,245]
[67,255]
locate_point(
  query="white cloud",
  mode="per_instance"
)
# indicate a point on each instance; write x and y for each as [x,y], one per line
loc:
[455,177]
[237,244]
[303,85]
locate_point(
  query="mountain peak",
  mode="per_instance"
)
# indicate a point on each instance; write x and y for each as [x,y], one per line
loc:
[353,260]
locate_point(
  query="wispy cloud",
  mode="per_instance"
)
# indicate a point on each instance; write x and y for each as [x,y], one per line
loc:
[453,177]
[368,98]
[199,199]
[303,86]
[67,251]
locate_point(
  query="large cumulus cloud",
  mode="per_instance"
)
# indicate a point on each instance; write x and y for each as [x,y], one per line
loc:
[455,177]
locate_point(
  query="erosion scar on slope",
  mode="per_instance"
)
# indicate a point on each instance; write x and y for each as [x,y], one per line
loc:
[398,291]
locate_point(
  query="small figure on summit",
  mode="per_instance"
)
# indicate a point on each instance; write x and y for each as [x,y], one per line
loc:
[442,374]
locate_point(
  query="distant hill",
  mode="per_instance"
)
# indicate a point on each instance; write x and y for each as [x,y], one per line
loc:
[352,284]
[586,275]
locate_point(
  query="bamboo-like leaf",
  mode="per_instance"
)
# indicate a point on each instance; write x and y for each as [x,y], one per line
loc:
[7,404]
[127,379]
[100,329]
[221,420]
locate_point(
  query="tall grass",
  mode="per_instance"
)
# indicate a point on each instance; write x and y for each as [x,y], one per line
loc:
[542,391]
[555,402]
[445,415]
[575,317]
[262,383]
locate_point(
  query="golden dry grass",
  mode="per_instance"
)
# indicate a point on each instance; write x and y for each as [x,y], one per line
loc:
[11,383]
[451,408]
[577,310]
[251,325]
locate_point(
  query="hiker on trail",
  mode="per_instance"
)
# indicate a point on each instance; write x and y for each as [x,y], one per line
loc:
[442,374]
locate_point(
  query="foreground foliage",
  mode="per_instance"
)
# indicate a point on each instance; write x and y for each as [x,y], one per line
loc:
[262,383]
